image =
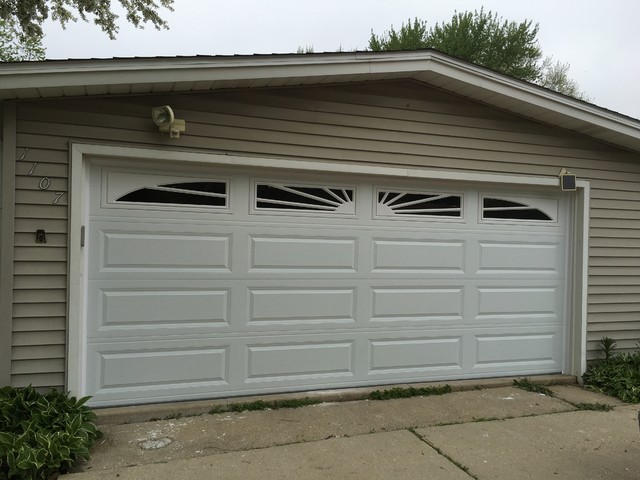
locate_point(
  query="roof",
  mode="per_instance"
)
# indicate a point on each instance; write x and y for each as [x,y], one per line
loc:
[138,75]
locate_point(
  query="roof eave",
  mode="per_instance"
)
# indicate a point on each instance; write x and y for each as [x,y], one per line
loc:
[177,74]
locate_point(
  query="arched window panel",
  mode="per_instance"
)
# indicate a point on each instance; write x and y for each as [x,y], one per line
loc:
[401,203]
[272,196]
[503,209]
[209,194]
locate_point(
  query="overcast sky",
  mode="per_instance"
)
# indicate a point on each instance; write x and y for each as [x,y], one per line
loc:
[600,39]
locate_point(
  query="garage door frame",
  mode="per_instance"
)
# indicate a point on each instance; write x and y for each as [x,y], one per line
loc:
[578,230]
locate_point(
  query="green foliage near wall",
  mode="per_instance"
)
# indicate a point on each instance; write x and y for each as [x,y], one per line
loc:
[616,374]
[42,434]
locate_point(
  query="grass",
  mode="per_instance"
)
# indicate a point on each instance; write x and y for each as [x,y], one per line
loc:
[263,405]
[408,392]
[298,403]
[529,386]
[597,407]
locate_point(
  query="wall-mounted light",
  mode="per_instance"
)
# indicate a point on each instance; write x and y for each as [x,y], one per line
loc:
[167,123]
[567,181]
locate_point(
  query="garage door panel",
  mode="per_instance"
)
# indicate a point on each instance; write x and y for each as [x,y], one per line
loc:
[415,355]
[122,251]
[165,251]
[159,366]
[416,304]
[299,361]
[131,312]
[314,254]
[412,256]
[163,367]
[300,305]
[522,257]
[518,302]
[504,351]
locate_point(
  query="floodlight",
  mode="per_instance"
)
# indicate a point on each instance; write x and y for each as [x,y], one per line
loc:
[164,118]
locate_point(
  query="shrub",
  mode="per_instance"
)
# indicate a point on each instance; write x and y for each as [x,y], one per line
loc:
[42,434]
[618,376]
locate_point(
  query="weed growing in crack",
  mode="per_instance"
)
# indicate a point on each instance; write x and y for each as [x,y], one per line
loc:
[598,407]
[529,386]
[408,392]
[263,405]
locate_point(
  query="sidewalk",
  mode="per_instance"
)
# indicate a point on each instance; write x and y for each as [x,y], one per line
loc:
[493,433]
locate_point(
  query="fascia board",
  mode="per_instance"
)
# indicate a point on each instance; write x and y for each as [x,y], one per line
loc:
[626,129]
[530,94]
[42,75]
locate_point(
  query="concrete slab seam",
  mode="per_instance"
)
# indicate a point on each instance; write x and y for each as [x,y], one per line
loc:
[457,464]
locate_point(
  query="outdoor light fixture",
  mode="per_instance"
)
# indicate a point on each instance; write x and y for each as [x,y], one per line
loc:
[167,123]
[567,181]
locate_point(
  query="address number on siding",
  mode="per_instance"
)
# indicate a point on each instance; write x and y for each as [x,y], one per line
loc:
[45,182]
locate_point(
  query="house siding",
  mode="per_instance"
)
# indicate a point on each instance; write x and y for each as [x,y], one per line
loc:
[403,123]
[6,239]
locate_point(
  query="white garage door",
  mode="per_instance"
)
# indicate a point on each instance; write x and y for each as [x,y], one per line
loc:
[205,283]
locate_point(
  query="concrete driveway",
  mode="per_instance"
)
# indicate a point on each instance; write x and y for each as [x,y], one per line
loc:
[495,433]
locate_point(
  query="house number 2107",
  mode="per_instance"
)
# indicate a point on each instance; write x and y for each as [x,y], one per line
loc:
[45,182]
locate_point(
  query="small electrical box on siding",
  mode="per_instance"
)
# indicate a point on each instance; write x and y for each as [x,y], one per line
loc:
[41,236]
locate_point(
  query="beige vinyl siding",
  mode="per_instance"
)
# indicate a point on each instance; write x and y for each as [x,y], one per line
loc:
[6,238]
[403,123]
[40,281]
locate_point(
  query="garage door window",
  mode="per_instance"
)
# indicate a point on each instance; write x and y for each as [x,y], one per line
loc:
[394,203]
[301,198]
[212,194]
[501,209]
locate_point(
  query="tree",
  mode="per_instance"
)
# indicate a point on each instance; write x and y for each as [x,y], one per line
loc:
[411,36]
[555,77]
[485,39]
[478,37]
[306,49]
[13,48]
[31,14]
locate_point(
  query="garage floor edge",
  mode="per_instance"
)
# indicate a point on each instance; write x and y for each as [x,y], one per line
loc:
[160,411]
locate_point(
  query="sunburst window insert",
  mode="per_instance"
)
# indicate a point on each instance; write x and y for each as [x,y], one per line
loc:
[305,198]
[398,203]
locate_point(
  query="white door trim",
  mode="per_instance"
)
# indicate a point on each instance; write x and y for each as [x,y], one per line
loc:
[78,218]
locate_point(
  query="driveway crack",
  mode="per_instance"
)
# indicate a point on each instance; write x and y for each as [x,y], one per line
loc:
[462,467]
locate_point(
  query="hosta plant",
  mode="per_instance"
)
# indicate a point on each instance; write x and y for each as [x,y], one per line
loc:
[42,435]
[618,374]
